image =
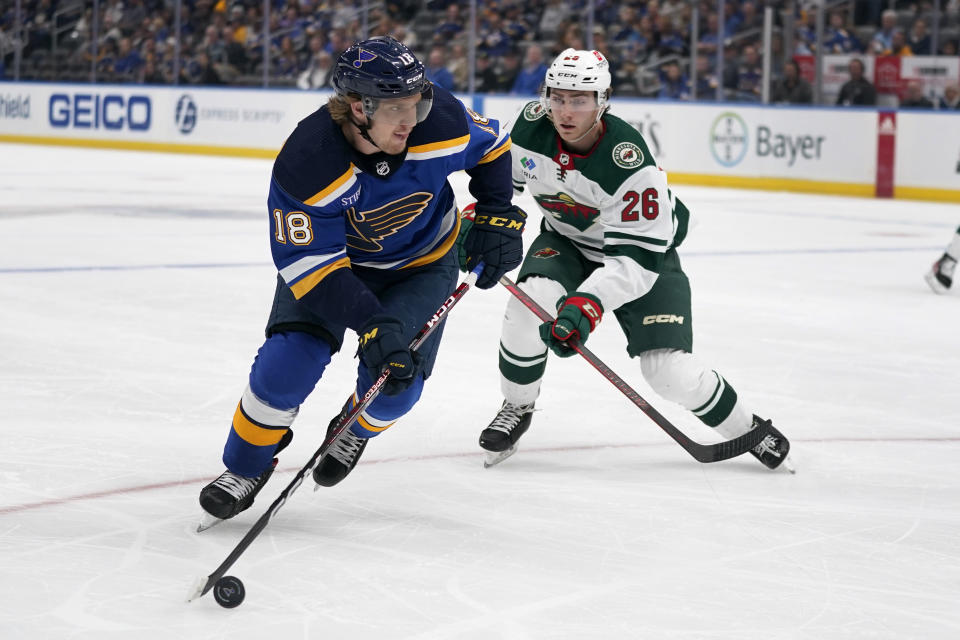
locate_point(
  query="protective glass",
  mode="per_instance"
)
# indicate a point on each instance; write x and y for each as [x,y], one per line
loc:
[400,111]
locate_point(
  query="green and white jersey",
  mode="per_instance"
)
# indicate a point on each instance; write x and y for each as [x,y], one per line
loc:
[612,203]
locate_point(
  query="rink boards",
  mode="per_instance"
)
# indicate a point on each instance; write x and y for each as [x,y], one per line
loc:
[847,151]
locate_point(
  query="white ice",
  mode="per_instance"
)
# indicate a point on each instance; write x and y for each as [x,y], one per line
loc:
[133,292]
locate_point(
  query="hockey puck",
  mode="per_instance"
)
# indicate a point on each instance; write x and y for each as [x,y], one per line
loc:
[229,592]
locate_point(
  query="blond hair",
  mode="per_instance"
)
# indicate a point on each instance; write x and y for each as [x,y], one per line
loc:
[339,107]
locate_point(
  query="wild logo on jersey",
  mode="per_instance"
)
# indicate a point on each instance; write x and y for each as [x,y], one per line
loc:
[546,252]
[372,226]
[567,210]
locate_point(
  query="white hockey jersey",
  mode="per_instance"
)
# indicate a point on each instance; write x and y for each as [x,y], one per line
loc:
[612,203]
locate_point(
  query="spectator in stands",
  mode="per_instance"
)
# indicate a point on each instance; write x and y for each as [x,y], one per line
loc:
[128,62]
[950,99]
[554,14]
[459,66]
[791,88]
[751,21]
[206,72]
[451,26]
[492,38]
[671,43]
[571,37]
[749,75]
[948,48]
[507,71]
[436,68]
[625,28]
[919,40]
[235,54]
[286,61]
[150,74]
[898,45]
[485,77]
[531,76]
[514,24]
[673,82]
[914,98]
[709,37]
[706,79]
[857,91]
[883,38]
[318,74]
[838,38]
[806,35]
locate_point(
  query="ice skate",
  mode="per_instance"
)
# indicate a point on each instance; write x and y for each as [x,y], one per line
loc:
[230,494]
[341,457]
[501,435]
[940,276]
[774,449]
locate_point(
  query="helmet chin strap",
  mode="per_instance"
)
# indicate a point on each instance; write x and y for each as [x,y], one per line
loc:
[364,132]
[587,132]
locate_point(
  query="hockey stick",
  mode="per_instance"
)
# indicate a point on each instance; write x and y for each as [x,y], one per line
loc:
[701,452]
[203,585]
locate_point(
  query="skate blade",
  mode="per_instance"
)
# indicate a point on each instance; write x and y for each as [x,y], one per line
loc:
[934,283]
[207,521]
[496,457]
[787,465]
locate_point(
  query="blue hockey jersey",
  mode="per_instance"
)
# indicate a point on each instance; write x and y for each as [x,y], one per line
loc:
[328,214]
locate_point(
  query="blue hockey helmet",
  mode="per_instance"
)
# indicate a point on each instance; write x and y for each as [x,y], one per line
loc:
[382,68]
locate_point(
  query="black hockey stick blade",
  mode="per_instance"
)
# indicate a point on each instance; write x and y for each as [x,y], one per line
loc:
[700,452]
[203,585]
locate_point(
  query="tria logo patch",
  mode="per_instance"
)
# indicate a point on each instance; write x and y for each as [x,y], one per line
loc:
[527,163]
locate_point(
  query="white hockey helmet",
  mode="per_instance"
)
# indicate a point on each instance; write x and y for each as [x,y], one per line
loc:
[578,70]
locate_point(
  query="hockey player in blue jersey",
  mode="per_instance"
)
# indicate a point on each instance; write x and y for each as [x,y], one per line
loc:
[363,226]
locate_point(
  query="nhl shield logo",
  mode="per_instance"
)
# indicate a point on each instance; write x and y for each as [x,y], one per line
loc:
[383,168]
[627,155]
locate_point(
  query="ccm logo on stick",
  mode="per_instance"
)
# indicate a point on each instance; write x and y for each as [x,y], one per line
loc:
[95,111]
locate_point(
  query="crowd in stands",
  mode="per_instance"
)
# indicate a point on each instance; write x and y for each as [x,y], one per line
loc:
[648,42]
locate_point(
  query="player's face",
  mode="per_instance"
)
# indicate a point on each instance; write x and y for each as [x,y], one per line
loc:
[392,123]
[573,112]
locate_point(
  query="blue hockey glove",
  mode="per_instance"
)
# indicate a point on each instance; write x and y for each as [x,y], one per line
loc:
[496,239]
[577,315]
[382,345]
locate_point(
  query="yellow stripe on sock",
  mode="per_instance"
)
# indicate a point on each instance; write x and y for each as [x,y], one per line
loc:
[254,433]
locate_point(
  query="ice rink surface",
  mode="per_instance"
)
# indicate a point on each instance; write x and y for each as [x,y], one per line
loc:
[133,292]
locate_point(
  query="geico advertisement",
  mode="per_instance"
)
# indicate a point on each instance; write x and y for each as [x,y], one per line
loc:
[76,110]
[228,118]
[928,150]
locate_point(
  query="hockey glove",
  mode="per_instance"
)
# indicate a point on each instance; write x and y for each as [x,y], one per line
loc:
[577,315]
[383,345]
[495,238]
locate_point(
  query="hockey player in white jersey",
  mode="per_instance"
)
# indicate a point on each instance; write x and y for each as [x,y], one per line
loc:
[940,275]
[607,245]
